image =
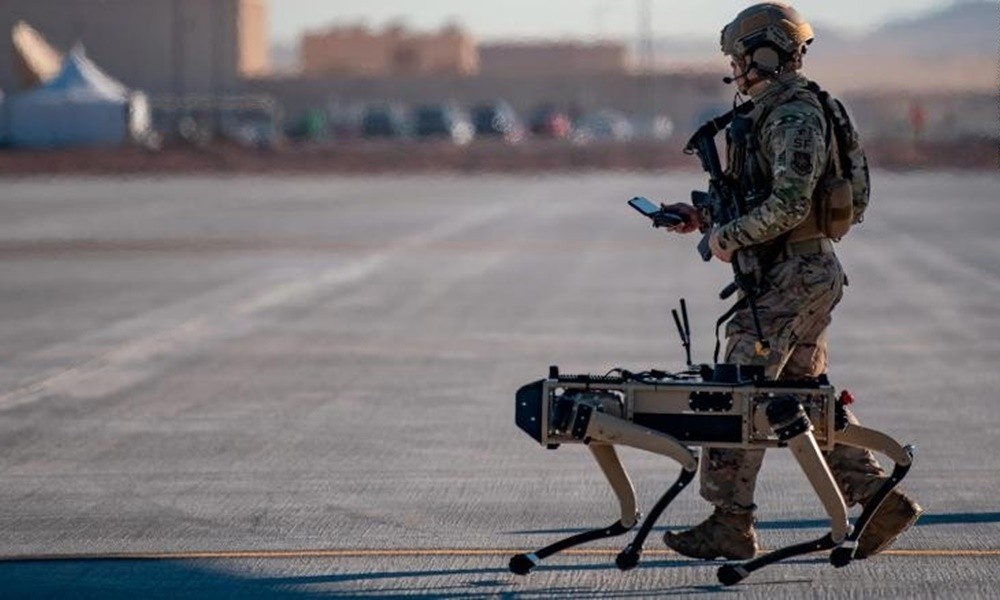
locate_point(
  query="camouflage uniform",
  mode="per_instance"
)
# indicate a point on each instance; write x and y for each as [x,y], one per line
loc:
[801,289]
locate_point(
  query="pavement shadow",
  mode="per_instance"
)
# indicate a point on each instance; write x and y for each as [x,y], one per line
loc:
[927,519]
[962,518]
[162,579]
[147,579]
[489,582]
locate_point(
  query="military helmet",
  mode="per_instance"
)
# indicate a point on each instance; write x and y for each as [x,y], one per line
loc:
[768,23]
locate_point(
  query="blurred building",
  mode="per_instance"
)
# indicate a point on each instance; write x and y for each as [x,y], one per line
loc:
[553,58]
[167,47]
[357,50]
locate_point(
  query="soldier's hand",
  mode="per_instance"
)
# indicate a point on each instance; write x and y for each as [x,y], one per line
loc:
[692,218]
[718,251]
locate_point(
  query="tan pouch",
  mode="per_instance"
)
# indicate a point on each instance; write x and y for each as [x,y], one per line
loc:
[836,207]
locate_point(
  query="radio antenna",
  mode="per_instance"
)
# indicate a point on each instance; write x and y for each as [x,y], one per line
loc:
[687,330]
[683,330]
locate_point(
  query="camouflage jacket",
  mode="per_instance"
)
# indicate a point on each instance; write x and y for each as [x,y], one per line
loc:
[792,153]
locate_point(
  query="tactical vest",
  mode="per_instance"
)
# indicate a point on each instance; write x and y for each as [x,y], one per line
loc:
[839,199]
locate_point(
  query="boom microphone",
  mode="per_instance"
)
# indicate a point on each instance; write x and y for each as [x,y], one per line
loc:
[743,75]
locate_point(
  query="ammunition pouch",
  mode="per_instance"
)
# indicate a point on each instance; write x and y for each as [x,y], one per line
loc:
[834,206]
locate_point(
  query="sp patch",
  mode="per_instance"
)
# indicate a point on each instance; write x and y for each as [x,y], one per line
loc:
[802,163]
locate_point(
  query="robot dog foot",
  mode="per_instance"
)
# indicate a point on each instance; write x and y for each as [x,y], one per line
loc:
[522,564]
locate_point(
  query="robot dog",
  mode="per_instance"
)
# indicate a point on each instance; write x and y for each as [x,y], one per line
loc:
[724,405]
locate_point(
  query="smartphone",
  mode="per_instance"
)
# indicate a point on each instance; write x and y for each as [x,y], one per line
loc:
[655,212]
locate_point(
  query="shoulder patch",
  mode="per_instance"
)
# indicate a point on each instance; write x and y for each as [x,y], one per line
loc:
[802,163]
[801,139]
[796,112]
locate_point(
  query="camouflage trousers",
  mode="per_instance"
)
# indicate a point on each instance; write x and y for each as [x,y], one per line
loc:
[794,311]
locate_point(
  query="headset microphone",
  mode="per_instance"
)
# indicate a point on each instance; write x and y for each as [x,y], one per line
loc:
[743,75]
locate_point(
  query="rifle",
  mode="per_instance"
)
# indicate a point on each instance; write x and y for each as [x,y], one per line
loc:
[724,203]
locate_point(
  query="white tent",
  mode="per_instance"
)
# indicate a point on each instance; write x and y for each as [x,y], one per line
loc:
[81,106]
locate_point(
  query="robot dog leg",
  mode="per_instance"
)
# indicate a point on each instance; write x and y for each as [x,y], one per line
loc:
[616,430]
[792,426]
[863,437]
[611,465]
[590,417]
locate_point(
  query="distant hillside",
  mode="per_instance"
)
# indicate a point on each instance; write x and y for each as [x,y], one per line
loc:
[954,48]
[964,28]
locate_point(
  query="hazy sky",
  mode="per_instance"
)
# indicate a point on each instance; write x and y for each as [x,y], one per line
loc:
[570,18]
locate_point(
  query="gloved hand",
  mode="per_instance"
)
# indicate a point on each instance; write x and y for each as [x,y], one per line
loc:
[692,218]
[718,251]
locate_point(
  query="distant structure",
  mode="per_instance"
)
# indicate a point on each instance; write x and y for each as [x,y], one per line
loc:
[394,51]
[357,51]
[35,60]
[167,47]
[553,58]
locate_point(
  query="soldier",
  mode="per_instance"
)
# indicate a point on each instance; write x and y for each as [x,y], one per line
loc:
[784,165]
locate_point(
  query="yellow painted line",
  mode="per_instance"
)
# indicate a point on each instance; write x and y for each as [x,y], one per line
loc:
[962,553]
[413,552]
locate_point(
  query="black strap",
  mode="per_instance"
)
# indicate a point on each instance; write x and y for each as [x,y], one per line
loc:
[740,304]
[834,123]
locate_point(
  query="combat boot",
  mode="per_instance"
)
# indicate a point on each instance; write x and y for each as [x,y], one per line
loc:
[727,534]
[894,516]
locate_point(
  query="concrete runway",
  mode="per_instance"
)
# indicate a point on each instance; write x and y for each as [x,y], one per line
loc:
[258,388]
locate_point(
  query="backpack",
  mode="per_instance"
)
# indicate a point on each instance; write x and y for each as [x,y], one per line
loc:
[843,193]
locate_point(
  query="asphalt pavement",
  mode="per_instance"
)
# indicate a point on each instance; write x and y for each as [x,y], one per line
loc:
[293,387]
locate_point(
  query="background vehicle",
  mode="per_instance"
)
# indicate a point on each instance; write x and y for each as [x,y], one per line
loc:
[497,119]
[384,121]
[548,121]
[604,125]
[653,127]
[440,121]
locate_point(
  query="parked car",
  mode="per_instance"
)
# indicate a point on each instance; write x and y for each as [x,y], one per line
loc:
[439,121]
[604,125]
[655,127]
[497,119]
[548,121]
[384,122]
[311,126]
[344,120]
